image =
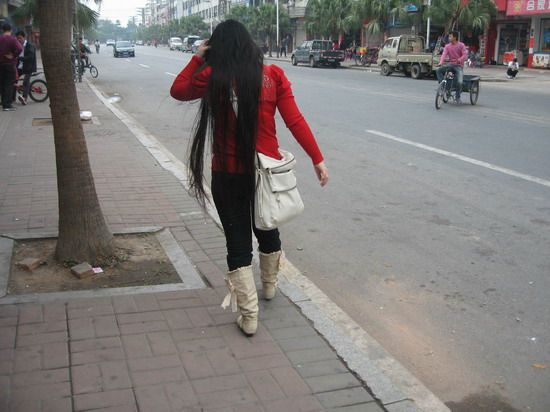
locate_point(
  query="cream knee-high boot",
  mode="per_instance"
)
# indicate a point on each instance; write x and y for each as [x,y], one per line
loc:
[242,295]
[270,264]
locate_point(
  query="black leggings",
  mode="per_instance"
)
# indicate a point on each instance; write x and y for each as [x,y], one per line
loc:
[235,208]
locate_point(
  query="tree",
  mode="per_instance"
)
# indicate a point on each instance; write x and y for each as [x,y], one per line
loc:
[83,233]
[264,23]
[454,14]
[86,17]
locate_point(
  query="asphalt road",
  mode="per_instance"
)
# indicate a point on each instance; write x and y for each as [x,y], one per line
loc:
[434,231]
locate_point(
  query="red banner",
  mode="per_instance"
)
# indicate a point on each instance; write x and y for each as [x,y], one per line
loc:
[523,7]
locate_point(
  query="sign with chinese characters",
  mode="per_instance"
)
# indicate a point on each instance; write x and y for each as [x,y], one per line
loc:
[523,7]
[541,60]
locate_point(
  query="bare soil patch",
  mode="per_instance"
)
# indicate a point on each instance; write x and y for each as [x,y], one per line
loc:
[140,260]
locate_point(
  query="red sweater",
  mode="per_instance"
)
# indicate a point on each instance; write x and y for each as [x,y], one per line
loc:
[276,93]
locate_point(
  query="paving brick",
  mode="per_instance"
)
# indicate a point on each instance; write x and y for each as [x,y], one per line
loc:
[136,346]
[344,397]
[209,297]
[277,323]
[185,295]
[180,395]
[143,327]
[162,343]
[258,349]
[332,382]
[110,399]
[292,332]
[105,326]
[177,319]
[30,313]
[42,327]
[302,342]
[40,377]
[156,362]
[219,383]
[195,333]
[86,379]
[81,328]
[95,344]
[264,385]
[42,392]
[124,304]
[57,405]
[290,381]
[197,365]
[228,398]
[8,311]
[263,362]
[7,337]
[98,355]
[146,303]
[302,356]
[140,317]
[151,377]
[201,345]
[296,404]
[12,321]
[223,361]
[200,317]
[28,358]
[90,307]
[7,359]
[54,311]
[180,303]
[25,405]
[42,338]
[114,375]
[326,367]
[152,399]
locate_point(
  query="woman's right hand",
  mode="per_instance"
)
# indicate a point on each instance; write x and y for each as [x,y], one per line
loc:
[201,50]
[322,173]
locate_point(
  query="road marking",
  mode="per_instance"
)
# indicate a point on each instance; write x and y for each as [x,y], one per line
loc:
[144,65]
[170,74]
[466,159]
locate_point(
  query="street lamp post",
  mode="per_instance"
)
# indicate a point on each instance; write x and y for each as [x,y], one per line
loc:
[428,24]
[277,11]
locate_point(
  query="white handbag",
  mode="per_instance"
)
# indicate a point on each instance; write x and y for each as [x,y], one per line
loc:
[277,199]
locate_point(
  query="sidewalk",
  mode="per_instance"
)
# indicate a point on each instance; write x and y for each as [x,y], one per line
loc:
[155,351]
[487,73]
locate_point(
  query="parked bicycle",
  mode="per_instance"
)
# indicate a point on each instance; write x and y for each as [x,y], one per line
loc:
[447,88]
[38,88]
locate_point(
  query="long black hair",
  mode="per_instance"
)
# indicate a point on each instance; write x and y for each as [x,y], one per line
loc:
[237,66]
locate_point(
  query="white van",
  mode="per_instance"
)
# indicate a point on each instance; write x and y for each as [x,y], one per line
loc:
[188,43]
[175,43]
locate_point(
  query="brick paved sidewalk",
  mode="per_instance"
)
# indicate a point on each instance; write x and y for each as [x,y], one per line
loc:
[172,351]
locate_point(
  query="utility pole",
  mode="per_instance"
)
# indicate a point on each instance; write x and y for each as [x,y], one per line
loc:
[277,8]
[428,27]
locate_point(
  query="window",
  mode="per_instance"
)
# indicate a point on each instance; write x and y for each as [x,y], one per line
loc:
[304,45]
[545,35]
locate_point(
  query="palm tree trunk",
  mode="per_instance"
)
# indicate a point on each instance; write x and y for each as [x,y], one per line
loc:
[83,233]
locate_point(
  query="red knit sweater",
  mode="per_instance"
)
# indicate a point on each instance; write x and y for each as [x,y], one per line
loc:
[276,93]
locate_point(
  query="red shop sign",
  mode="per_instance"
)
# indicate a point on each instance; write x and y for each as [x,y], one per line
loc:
[522,7]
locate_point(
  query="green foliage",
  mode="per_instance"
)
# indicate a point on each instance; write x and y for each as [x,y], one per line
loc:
[331,18]
[454,15]
[86,17]
[186,26]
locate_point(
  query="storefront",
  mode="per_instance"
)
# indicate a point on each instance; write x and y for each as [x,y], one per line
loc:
[538,38]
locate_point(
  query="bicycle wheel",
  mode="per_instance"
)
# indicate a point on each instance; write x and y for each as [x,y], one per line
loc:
[474,93]
[440,95]
[39,90]
[94,72]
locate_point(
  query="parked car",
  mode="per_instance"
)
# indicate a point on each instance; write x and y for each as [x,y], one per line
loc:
[124,48]
[406,54]
[175,43]
[317,53]
[196,45]
[139,42]
[188,43]
[110,42]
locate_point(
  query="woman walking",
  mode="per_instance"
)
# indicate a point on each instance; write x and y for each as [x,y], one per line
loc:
[239,96]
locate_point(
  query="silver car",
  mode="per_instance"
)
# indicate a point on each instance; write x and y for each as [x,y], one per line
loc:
[124,48]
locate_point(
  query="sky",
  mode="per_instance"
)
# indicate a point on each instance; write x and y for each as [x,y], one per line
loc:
[118,9]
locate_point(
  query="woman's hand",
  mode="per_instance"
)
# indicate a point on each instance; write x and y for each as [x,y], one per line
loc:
[201,50]
[322,173]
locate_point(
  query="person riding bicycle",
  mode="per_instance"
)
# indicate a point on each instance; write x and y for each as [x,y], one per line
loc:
[84,51]
[455,51]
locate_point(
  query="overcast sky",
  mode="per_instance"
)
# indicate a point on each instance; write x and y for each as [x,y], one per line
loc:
[118,9]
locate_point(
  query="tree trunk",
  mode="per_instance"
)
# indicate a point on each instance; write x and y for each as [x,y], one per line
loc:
[83,233]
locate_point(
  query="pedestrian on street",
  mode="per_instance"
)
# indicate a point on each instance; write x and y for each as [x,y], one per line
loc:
[513,69]
[27,65]
[10,49]
[239,96]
